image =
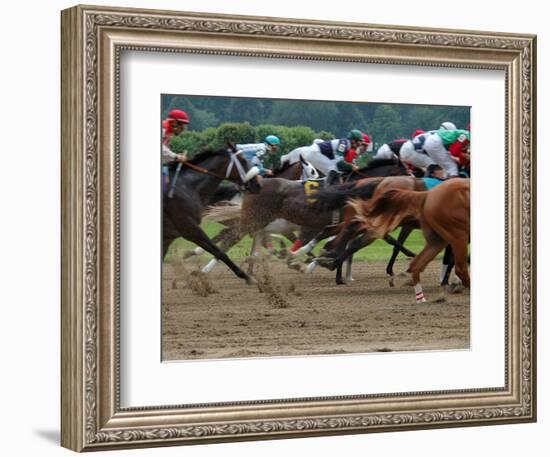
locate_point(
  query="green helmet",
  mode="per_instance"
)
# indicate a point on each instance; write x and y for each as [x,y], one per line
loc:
[355,135]
[272,140]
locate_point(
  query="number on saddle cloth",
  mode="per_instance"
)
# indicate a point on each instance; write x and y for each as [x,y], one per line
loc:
[310,188]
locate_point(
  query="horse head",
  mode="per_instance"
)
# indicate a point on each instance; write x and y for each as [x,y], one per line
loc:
[308,170]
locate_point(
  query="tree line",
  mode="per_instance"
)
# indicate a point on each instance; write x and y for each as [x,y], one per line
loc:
[382,121]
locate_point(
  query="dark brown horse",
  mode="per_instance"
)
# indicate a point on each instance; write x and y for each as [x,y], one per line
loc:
[195,186]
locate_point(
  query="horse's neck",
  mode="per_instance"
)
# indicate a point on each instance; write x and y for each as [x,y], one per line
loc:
[204,185]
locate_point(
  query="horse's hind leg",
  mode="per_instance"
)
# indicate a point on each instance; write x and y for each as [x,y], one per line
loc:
[460,250]
[434,245]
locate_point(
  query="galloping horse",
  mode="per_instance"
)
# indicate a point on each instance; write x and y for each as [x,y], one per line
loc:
[350,236]
[444,217]
[193,189]
[289,200]
[228,236]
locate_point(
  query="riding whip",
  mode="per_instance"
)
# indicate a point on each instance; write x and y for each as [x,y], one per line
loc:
[174,180]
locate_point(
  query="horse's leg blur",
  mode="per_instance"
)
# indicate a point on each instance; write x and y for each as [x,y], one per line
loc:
[333,257]
[230,238]
[460,250]
[357,244]
[349,277]
[196,235]
[447,266]
[434,245]
[403,235]
[216,239]
[257,242]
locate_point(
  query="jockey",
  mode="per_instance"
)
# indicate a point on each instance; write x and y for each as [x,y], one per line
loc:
[173,125]
[338,150]
[439,144]
[353,155]
[447,126]
[255,152]
[412,151]
[390,150]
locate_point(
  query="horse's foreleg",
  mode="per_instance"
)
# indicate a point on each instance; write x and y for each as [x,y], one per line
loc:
[447,266]
[433,246]
[354,246]
[391,240]
[196,235]
[339,269]
[228,239]
[349,277]
[403,235]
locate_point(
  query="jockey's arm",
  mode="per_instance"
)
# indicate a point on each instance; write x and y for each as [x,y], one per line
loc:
[344,166]
[170,156]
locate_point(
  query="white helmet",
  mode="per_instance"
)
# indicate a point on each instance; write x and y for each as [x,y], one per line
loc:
[447,126]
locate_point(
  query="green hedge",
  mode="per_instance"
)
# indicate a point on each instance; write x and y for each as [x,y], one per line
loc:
[291,138]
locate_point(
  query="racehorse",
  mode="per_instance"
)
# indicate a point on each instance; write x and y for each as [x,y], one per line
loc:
[444,217]
[290,200]
[229,236]
[192,188]
[350,236]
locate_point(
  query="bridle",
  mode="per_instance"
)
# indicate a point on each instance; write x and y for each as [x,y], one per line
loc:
[233,162]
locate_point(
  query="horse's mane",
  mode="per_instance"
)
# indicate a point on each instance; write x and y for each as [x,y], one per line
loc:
[206,154]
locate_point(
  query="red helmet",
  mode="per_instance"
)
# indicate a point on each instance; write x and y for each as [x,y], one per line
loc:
[417,132]
[179,115]
[366,138]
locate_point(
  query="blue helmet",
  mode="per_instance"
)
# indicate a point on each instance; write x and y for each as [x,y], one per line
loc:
[272,140]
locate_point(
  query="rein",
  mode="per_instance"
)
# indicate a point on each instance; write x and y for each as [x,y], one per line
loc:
[233,162]
[203,170]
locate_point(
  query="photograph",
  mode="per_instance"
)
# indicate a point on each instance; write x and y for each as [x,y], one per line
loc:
[314,251]
[307,227]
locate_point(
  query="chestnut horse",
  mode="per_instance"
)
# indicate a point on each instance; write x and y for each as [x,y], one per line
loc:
[444,216]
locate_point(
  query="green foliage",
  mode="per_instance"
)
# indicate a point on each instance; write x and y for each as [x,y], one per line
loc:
[386,123]
[298,122]
[291,138]
[236,133]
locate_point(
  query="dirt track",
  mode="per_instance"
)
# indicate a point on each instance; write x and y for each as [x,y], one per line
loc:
[300,314]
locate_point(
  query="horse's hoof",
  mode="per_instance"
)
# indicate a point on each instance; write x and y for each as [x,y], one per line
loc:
[403,280]
[421,301]
[250,280]
[455,288]
[441,299]
[309,269]
[391,282]
[295,266]
[340,282]
[327,262]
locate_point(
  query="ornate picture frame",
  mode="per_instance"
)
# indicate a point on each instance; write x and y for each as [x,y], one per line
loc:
[93,39]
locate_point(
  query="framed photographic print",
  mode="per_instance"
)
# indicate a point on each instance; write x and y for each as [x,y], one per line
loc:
[282,228]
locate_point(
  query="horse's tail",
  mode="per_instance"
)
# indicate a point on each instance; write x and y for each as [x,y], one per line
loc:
[387,211]
[223,212]
[335,197]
